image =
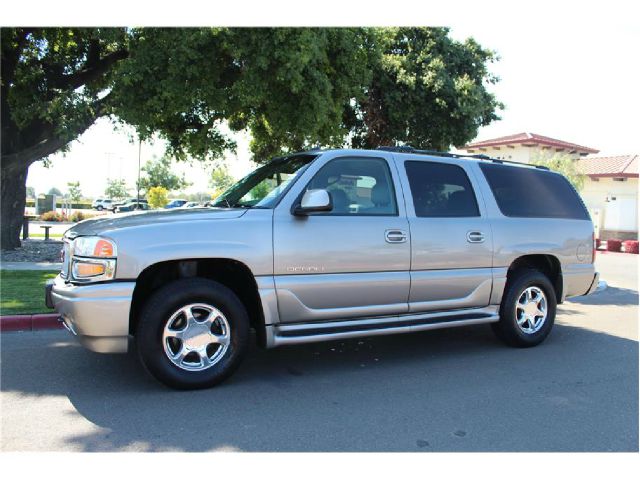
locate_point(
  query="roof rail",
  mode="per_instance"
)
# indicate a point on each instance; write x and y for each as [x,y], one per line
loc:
[484,157]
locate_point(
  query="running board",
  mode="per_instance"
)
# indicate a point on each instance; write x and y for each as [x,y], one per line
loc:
[286,334]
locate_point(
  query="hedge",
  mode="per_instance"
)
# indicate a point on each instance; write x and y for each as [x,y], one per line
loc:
[74,205]
[631,247]
[613,245]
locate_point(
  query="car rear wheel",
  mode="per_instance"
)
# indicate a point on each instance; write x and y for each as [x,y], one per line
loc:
[99,208]
[192,334]
[528,309]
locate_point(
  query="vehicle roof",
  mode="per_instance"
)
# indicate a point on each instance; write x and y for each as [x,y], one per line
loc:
[430,154]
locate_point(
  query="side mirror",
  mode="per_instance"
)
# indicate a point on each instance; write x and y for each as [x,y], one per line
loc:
[314,200]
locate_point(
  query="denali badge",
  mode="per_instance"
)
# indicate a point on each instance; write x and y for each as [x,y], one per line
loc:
[309,269]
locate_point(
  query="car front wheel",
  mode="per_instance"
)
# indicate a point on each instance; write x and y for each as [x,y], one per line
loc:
[192,334]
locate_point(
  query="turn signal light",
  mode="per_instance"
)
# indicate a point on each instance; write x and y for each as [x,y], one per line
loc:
[89,269]
[103,249]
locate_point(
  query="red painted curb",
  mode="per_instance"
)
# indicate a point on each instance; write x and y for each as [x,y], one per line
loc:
[14,323]
[45,321]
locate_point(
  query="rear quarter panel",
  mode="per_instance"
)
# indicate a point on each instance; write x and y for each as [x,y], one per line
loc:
[569,240]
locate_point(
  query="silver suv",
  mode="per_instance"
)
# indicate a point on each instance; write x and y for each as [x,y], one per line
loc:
[327,245]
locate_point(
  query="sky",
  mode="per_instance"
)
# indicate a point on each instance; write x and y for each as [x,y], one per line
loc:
[573,80]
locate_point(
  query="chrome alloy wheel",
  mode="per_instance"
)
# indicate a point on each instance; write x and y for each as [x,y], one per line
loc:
[531,310]
[196,337]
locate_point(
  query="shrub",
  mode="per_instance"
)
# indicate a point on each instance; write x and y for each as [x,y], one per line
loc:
[53,216]
[157,197]
[77,217]
[631,247]
[613,245]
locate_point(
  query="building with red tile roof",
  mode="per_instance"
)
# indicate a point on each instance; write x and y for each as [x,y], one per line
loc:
[529,140]
[610,166]
[610,190]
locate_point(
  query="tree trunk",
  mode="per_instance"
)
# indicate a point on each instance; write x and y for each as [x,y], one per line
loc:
[13,200]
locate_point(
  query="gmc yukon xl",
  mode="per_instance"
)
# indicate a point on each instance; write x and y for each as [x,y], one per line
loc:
[326,245]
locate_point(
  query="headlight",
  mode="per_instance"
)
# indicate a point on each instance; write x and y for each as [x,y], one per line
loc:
[94,259]
[94,246]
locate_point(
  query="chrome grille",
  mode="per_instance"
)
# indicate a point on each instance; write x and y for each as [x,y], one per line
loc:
[66,259]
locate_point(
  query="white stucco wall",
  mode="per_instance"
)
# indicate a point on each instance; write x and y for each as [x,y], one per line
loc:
[619,214]
[519,153]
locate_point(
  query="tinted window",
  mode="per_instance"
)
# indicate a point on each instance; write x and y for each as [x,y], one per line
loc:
[264,187]
[359,186]
[440,190]
[529,192]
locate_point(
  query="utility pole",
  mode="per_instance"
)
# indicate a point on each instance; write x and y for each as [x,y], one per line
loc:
[138,183]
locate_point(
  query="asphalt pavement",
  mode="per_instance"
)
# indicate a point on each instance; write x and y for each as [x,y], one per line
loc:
[444,390]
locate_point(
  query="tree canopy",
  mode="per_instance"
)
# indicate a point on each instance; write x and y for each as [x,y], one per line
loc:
[75,193]
[220,180]
[563,164]
[427,90]
[116,189]
[158,173]
[290,88]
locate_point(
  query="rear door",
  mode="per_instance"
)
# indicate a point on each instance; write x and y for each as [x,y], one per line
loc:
[451,254]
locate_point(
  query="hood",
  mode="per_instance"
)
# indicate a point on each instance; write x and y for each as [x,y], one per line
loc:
[111,222]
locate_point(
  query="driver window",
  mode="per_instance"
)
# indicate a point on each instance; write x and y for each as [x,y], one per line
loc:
[357,186]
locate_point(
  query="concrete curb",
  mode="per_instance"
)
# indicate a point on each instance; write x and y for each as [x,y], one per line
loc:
[33,322]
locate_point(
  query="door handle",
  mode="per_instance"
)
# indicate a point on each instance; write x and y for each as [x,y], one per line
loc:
[475,236]
[395,236]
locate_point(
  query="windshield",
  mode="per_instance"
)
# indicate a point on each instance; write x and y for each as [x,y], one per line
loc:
[263,187]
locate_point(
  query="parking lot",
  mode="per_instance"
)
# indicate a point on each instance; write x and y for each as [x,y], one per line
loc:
[444,390]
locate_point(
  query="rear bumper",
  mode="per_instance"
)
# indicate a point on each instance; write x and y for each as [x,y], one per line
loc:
[595,284]
[579,279]
[97,314]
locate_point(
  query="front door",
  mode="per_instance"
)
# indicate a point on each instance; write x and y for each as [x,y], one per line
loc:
[352,261]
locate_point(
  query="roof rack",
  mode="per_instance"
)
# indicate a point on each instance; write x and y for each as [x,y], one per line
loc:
[484,157]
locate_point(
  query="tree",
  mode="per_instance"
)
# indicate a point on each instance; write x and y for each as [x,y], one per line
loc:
[116,189]
[74,191]
[54,190]
[55,83]
[221,180]
[563,164]
[157,197]
[291,88]
[158,173]
[427,90]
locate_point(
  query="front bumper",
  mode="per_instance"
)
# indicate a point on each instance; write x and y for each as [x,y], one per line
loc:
[97,314]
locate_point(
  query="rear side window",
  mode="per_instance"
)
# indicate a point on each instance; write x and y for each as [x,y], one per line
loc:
[529,192]
[440,190]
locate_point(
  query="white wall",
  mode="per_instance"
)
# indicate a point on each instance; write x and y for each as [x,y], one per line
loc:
[620,214]
[519,153]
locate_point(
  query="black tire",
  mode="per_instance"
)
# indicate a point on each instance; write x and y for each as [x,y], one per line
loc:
[99,208]
[160,307]
[507,328]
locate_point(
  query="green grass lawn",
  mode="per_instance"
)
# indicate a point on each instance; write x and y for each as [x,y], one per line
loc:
[22,292]
[37,234]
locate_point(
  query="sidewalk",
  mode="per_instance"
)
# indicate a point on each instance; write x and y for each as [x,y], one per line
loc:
[31,266]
